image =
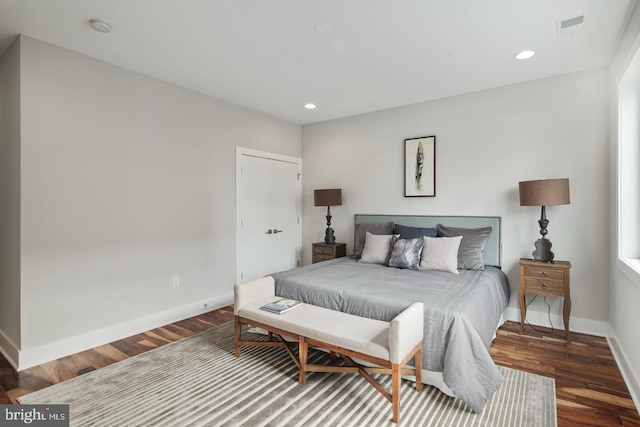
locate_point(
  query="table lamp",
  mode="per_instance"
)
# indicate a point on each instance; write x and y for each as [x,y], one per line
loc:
[328,198]
[544,192]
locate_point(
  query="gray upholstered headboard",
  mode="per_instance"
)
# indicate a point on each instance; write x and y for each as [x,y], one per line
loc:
[492,250]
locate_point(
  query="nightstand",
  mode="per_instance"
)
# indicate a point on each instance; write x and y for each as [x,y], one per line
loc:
[548,279]
[324,251]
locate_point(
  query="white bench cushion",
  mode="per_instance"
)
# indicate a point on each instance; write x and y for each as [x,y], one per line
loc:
[367,336]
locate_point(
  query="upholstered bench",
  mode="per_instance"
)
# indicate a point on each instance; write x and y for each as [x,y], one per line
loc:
[388,345]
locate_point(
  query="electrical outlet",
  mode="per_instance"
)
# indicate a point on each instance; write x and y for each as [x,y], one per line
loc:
[176,281]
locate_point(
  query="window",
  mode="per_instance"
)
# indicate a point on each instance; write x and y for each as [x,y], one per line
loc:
[629,170]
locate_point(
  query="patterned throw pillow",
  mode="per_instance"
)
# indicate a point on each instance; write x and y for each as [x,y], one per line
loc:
[406,253]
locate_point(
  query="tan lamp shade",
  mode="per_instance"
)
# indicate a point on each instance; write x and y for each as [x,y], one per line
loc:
[331,197]
[544,192]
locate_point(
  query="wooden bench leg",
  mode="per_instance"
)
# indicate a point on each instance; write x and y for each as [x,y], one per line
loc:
[238,334]
[418,366]
[303,349]
[395,391]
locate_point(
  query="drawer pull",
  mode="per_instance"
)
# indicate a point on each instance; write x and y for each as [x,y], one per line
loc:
[543,285]
[544,274]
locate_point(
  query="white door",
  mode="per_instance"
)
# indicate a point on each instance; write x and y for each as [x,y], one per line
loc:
[268,196]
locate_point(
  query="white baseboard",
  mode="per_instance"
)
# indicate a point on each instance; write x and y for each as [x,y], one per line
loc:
[75,344]
[630,378]
[576,324]
[9,349]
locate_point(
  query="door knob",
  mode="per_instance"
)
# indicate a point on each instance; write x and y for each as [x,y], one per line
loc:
[269,232]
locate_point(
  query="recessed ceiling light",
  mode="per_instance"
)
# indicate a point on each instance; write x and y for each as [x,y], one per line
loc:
[100,26]
[322,27]
[310,106]
[525,54]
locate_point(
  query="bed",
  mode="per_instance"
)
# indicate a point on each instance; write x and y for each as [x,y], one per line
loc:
[462,311]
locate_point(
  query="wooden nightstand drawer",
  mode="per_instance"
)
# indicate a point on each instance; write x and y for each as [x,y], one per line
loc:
[327,250]
[544,286]
[544,272]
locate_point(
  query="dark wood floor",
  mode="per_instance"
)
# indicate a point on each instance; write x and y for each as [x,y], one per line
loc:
[590,390]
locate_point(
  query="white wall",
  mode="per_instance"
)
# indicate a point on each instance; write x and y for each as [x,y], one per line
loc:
[486,142]
[126,182]
[10,200]
[624,289]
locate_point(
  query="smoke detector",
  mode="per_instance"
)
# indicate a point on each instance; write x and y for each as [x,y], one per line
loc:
[100,26]
[322,27]
[572,25]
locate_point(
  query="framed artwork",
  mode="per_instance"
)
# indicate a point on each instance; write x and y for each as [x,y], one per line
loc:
[420,167]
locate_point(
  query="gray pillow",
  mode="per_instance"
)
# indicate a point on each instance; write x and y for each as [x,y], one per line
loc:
[406,253]
[471,251]
[407,232]
[361,234]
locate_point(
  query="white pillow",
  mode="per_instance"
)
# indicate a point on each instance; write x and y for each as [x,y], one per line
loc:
[440,253]
[376,248]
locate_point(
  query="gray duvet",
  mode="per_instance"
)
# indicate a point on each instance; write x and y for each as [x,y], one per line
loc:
[462,312]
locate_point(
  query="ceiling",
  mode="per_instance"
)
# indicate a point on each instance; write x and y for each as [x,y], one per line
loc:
[266,55]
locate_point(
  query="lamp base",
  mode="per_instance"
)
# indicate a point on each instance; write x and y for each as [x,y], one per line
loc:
[543,251]
[329,238]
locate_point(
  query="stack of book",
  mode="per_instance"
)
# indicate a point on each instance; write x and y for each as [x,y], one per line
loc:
[281,306]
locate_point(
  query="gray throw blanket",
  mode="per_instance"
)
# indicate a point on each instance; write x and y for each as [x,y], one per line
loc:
[461,314]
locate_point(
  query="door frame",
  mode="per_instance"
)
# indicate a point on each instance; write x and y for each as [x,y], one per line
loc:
[242,151]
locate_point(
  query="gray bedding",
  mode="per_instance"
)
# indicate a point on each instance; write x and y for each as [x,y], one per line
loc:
[461,312]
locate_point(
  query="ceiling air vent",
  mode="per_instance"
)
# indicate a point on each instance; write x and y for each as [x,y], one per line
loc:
[573,25]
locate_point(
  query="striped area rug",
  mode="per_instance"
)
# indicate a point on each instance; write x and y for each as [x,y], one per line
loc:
[197,381]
